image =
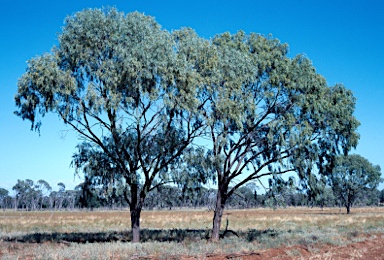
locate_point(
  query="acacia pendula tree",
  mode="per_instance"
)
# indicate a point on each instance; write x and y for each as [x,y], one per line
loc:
[351,176]
[269,114]
[129,89]
[139,96]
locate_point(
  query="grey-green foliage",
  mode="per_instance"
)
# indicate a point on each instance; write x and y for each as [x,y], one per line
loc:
[28,194]
[99,55]
[129,89]
[270,110]
[4,194]
[352,175]
[269,114]
[140,95]
[266,107]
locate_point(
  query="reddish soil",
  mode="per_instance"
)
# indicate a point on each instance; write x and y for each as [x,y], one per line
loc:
[371,248]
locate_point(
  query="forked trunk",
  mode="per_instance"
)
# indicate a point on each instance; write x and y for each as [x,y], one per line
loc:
[219,210]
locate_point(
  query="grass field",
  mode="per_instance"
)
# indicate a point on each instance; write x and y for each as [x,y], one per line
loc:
[179,233]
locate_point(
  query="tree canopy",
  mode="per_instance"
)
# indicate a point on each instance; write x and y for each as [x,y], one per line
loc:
[269,114]
[143,100]
[352,175]
[128,88]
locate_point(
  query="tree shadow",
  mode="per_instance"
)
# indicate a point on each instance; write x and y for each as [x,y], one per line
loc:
[146,235]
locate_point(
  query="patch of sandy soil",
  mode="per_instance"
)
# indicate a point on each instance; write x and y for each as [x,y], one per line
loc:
[371,248]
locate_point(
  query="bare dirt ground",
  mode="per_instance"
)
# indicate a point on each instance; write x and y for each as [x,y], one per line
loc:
[371,248]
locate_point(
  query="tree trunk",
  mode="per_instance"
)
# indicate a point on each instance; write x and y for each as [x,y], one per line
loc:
[135,225]
[135,209]
[348,208]
[219,209]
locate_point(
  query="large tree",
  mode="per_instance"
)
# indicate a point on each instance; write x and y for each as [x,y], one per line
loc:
[139,96]
[351,176]
[269,114]
[128,88]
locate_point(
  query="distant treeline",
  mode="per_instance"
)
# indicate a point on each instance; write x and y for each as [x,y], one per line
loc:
[30,195]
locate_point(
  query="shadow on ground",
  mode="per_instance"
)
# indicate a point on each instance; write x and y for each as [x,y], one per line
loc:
[147,235]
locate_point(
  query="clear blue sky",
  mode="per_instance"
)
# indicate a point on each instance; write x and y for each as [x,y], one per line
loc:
[344,39]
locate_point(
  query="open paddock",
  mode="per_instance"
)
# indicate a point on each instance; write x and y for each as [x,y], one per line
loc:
[291,232]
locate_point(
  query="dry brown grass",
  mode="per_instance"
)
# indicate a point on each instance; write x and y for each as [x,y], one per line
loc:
[299,218]
[104,221]
[258,229]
